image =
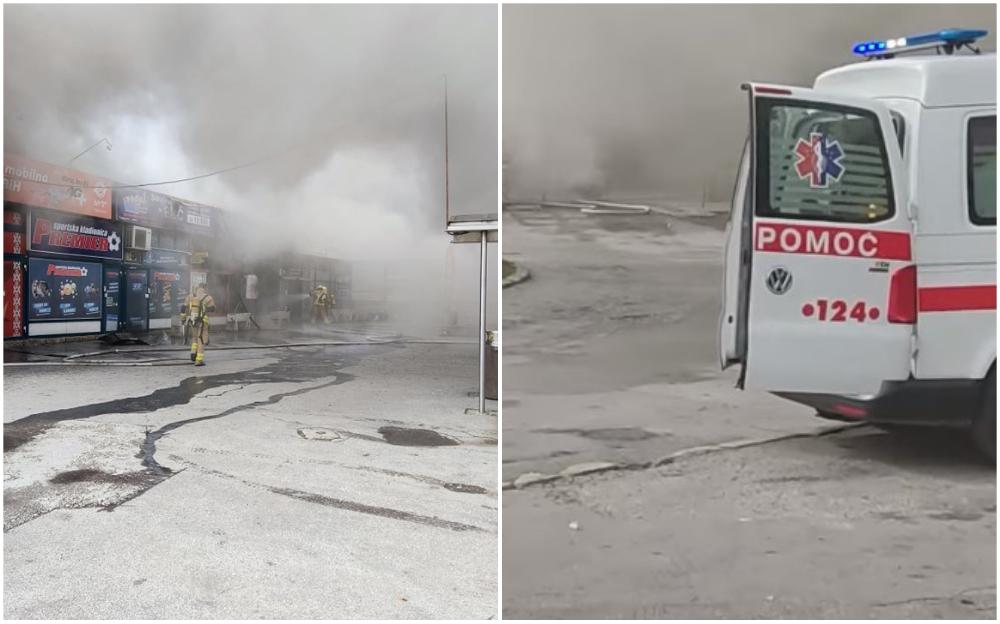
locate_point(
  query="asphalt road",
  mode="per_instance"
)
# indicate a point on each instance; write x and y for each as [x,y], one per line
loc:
[855,525]
[313,482]
[609,358]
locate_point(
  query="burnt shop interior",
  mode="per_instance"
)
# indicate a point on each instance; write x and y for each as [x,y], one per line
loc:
[131,272]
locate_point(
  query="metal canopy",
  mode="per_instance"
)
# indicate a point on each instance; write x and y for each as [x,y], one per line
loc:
[461,227]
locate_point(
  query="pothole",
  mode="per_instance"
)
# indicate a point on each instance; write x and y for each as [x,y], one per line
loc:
[403,436]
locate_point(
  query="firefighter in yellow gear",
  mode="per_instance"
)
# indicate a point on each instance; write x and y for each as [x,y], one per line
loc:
[194,316]
[322,301]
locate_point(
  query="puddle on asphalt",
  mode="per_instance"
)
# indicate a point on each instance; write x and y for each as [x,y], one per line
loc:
[13,440]
[98,476]
[403,436]
[384,512]
[292,367]
[610,434]
[963,516]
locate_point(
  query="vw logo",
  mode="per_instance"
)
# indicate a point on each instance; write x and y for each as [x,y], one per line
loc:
[779,280]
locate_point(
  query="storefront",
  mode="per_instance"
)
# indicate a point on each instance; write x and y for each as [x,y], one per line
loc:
[169,287]
[58,240]
[82,256]
[69,258]
[164,262]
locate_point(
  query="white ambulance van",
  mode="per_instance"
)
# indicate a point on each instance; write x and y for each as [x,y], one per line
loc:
[860,273]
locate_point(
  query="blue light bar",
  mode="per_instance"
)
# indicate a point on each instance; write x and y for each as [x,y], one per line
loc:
[946,37]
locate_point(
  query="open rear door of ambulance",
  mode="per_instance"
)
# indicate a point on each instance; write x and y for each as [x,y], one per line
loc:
[820,287]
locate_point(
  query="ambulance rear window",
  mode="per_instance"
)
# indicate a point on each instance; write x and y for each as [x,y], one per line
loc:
[982,167]
[822,162]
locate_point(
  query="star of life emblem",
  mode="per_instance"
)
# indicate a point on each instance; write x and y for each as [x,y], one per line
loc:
[818,160]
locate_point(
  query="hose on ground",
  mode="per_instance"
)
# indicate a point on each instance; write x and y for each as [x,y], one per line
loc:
[77,359]
[601,207]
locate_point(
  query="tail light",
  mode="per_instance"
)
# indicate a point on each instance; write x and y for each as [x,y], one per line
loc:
[903,295]
[849,411]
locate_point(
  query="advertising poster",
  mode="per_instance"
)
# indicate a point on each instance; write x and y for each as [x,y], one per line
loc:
[41,185]
[160,257]
[112,290]
[169,291]
[53,232]
[144,207]
[13,299]
[137,299]
[62,290]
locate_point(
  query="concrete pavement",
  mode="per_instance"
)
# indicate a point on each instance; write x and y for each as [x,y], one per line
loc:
[610,359]
[314,482]
[856,525]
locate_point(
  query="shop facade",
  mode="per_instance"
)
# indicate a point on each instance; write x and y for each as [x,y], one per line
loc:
[59,240]
[160,235]
[83,255]
[69,259]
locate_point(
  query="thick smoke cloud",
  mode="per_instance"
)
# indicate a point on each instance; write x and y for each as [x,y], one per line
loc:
[645,100]
[346,101]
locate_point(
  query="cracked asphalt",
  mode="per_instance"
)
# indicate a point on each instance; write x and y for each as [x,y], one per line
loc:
[307,482]
[610,358]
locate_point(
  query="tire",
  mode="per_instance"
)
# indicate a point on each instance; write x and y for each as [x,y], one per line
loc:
[984,429]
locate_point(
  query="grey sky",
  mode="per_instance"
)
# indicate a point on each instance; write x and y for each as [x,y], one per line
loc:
[645,100]
[186,89]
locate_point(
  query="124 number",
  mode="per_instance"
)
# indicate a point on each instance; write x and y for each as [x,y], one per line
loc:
[838,311]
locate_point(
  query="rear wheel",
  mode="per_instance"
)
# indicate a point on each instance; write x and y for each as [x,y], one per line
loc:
[984,430]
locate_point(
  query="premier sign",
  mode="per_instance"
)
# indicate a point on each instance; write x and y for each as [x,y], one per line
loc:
[52,232]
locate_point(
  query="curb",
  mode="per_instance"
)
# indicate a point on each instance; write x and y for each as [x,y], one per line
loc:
[520,274]
[529,479]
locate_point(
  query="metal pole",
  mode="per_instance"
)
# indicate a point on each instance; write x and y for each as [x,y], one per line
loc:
[104,140]
[447,192]
[482,323]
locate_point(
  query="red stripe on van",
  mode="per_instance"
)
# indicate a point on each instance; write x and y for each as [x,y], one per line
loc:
[957,298]
[783,237]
